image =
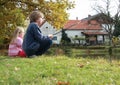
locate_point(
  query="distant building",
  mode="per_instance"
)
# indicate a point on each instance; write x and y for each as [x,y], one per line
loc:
[91,30]
[87,28]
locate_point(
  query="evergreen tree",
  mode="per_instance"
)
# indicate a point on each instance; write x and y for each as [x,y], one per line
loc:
[117,28]
[65,39]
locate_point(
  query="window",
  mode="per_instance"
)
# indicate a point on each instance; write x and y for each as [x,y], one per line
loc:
[54,38]
[76,35]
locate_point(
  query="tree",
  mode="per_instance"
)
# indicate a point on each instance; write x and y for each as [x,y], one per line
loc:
[65,39]
[9,20]
[107,19]
[117,27]
[54,10]
[14,12]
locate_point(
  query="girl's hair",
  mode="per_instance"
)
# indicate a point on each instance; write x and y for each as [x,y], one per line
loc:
[35,15]
[16,33]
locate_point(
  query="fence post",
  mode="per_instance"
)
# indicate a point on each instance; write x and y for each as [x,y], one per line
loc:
[110,54]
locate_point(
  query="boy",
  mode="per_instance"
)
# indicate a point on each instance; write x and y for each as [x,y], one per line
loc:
[34,43]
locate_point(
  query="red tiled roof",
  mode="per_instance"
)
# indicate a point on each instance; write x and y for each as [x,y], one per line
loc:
[95,33]
[82,25]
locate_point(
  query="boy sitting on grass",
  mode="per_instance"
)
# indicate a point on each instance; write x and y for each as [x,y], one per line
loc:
[35,43]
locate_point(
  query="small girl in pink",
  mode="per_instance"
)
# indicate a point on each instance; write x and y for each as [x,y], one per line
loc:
[15,46]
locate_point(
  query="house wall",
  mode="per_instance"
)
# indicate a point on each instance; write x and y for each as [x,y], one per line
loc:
[49,29]
[106,27]
[58,40]
[72,33]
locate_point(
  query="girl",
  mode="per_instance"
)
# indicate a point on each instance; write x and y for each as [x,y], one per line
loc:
[15,46]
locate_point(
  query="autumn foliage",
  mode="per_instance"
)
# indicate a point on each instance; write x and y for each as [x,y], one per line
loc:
[14,13]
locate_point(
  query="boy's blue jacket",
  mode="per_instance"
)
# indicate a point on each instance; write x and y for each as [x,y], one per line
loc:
[33,38]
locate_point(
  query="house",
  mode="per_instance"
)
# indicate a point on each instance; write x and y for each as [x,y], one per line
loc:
[90,29]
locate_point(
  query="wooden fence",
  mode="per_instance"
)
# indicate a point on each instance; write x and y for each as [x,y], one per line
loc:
[81,51]
[90,51]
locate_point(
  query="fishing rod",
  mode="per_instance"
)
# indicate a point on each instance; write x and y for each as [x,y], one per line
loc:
[61,29]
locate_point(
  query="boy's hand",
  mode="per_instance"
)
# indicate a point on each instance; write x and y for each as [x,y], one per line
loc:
[50,36]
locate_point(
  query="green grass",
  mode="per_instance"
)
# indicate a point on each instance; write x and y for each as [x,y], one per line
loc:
[51,70]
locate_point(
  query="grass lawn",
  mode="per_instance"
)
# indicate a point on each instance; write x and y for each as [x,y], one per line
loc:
[60,70]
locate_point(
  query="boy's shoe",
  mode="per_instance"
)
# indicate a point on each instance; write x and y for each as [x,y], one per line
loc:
[33,56]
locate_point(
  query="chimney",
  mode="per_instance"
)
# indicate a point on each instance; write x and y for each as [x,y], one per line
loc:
[76,18]
[89,15]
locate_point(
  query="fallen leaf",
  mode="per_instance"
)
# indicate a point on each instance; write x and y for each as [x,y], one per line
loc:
[81,65]
[63,83]
[16,68]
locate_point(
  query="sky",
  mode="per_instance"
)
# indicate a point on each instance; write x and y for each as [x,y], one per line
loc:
[83,8]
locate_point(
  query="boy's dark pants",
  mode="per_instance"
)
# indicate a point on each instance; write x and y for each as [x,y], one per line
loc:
[41,50]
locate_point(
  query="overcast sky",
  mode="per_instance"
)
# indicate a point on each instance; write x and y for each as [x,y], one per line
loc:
[83,8]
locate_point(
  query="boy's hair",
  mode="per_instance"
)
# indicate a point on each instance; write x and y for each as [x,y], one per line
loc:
[16,33]
[35,15]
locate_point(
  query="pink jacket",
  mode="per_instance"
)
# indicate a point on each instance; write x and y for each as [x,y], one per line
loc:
[15,47]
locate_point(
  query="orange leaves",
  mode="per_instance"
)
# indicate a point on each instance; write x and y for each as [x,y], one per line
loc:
[13,13]
[63,83]
[80,65]
[9,19]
